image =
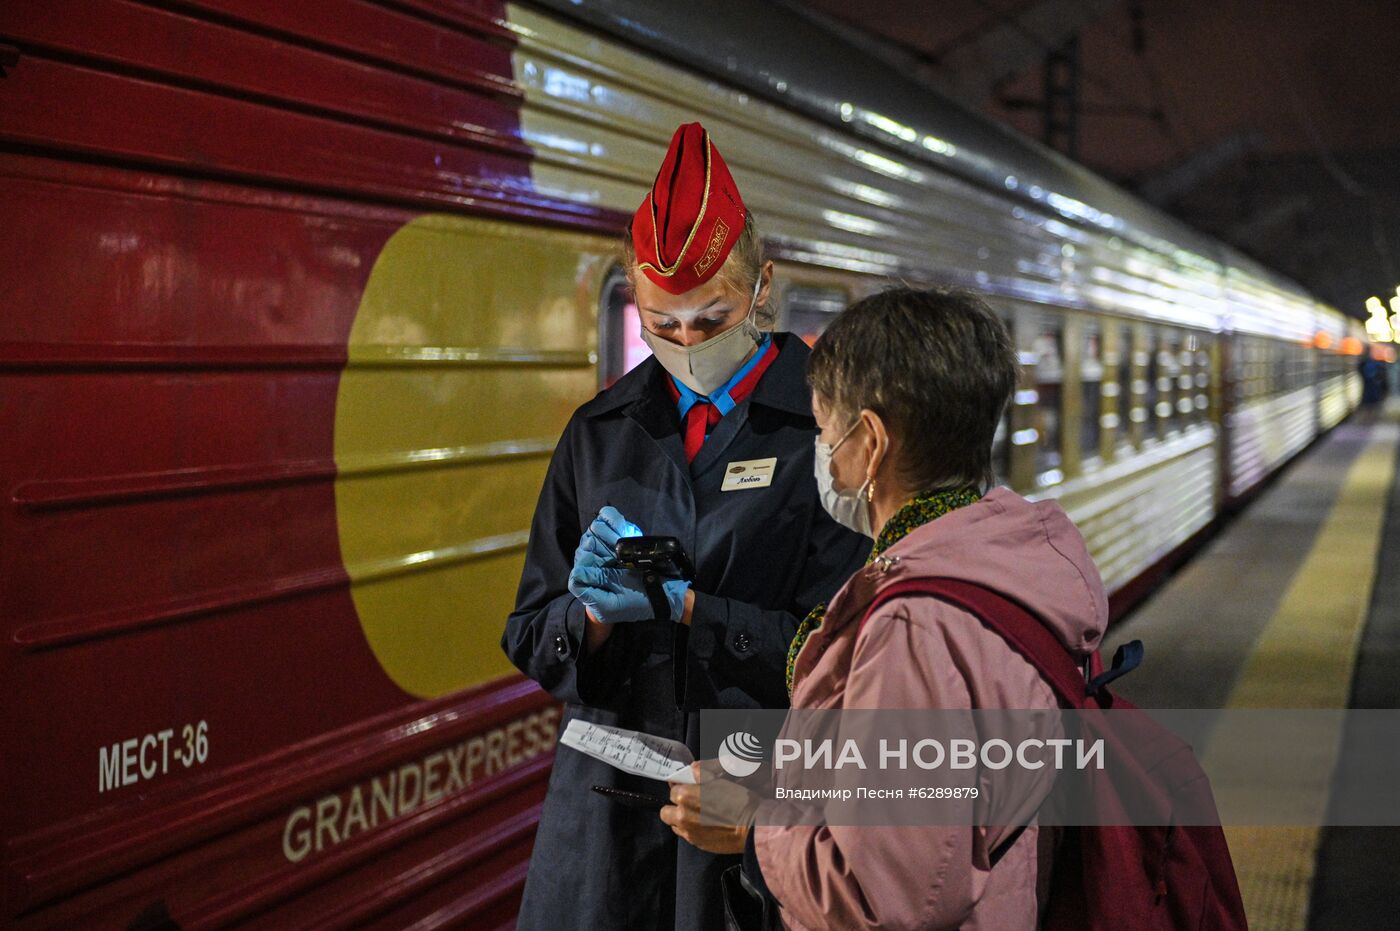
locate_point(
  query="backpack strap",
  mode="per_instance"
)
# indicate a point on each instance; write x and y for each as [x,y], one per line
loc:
[1017,626]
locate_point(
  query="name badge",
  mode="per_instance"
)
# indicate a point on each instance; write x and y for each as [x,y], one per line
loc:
[754,473]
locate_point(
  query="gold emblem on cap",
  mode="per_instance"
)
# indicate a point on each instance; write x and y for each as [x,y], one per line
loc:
[717,239]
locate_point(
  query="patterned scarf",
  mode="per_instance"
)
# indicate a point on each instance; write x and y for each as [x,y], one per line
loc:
[923,508]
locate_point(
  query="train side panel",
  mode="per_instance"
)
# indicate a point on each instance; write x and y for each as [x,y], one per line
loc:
[275,434]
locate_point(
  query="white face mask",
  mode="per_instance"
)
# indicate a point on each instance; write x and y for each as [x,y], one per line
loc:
[848,508]
[707,366]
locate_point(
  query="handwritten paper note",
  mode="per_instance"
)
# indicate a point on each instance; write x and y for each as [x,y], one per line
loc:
[631,751]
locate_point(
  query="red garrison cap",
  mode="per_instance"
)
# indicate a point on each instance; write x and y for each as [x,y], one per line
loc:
[685,227]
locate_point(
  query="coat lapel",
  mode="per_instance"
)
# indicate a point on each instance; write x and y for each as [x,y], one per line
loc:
[657,417]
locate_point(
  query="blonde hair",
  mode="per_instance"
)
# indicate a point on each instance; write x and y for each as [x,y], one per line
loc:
[741,269]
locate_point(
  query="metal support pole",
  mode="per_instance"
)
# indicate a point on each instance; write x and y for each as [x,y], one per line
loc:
[1062,98]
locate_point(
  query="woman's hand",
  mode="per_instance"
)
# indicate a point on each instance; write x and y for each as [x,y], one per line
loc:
[714,815]
[598,546]
[611,594]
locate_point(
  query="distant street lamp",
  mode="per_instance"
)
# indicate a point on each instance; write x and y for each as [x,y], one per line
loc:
[1378,327]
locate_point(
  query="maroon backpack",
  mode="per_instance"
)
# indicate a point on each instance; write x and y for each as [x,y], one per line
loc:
[1163,874]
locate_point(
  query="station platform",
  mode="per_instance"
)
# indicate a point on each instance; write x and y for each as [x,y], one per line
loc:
[1295,603]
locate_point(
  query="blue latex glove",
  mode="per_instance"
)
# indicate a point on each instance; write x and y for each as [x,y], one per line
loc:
[612,594]
[618,596]
[598,548]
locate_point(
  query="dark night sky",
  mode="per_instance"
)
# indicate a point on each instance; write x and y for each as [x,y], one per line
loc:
[1303,74]
[1316,81]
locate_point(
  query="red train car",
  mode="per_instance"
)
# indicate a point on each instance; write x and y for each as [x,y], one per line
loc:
[208,722]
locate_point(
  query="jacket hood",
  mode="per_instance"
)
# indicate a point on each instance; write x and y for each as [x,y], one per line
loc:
[1028,551]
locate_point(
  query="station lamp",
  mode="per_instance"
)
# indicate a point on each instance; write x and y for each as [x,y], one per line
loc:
[1380,328]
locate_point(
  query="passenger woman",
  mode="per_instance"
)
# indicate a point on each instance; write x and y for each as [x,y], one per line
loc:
[908,387]
[710,441]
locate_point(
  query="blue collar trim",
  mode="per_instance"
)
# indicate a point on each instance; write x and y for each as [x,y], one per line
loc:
[720,398]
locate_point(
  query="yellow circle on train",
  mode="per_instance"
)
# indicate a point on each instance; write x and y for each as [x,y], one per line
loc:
[473,343]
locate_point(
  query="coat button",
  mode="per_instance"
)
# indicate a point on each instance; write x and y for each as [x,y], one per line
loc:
[561,645]
[741,643]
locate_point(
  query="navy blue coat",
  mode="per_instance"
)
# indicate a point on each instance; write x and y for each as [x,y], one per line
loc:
[763,557]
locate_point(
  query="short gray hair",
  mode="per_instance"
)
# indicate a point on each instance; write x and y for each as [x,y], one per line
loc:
[937,365]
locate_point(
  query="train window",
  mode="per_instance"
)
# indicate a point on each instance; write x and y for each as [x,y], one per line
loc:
[620,346]
[1153,384]
[1244,375]
[1091,388]
[1001,446]
[1128,389]
[1001,449]
[1186,378]
[1049,371]
[1192,368]
[1170,373]
[1203,371]
[1248,381]
[1258,385]
[1259,368]
[1244,371]
[808,310]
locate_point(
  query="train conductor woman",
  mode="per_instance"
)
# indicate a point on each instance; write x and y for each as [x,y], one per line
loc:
[662,452]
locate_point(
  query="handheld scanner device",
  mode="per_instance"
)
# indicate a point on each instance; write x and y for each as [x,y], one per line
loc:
[663,556]
[657,558]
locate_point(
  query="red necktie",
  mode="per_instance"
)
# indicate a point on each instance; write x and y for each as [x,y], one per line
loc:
[698,420]
[703,415]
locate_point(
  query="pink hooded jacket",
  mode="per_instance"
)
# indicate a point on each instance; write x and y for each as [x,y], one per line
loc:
[919,652]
